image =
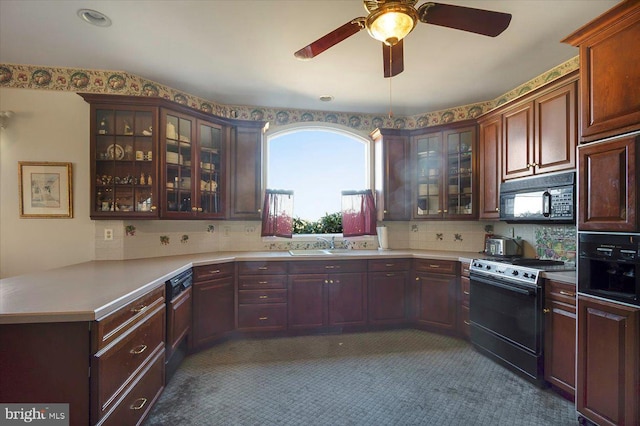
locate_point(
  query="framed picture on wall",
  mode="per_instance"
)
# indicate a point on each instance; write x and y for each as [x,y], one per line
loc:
[45,190]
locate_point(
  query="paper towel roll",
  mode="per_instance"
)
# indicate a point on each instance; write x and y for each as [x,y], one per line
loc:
[383,237]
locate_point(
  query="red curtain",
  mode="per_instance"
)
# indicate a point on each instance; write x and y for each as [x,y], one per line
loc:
[358,213]
[277,214]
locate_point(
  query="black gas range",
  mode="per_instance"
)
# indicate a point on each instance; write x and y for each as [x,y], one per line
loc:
[506,311]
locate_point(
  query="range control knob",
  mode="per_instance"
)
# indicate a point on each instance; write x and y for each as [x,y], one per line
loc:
[515,273]
[526,275]
[488,267]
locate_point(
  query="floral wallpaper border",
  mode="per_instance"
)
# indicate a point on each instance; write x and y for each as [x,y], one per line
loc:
[123,83]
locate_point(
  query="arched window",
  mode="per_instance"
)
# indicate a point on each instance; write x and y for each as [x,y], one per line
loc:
[317,163]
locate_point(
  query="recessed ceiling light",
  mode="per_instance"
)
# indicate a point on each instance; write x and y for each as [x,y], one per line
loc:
[94,17]
[326,98]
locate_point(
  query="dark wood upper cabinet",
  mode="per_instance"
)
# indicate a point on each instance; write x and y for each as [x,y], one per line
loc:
[608,185]
[609,72]
[555,135]
[392,179]
[246,172]
[517,141]
[539,134]
[489,171]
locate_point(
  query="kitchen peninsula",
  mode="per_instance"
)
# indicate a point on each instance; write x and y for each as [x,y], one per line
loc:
[93,312]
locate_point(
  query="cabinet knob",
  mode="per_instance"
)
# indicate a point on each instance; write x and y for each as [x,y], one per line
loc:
[385,211]
[326,281]
[194,209]
[417,278]
[154,208]
[259,210]
[546,310]
[497,209]
[199,209]
[446,211]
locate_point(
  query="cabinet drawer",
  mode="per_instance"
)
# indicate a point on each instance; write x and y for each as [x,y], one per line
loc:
[327,266]
[262,296]
[261,317]
[561,292]
[389,265]
[137,402]
[258,267]
[254,282]
[436,266]
[117,365]
[209,272]
[464,290]
[118,322]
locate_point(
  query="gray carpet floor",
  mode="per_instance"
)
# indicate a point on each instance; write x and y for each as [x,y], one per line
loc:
[400,377]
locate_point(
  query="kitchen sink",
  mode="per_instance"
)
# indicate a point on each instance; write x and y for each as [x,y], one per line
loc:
[310,252]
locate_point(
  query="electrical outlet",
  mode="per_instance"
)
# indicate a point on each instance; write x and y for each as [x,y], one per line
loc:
[108,234]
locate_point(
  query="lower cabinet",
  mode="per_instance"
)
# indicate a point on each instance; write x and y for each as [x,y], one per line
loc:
[213,303]
[560,337]
[129,349]
[608,373]
[435,294]
[325,294]
[262,296]
[387,288]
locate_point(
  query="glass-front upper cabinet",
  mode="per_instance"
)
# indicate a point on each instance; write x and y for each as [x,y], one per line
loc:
[430,163]
[124,168]
[179,161]
[210,149]
[459,159]
[192,167]
[444,166]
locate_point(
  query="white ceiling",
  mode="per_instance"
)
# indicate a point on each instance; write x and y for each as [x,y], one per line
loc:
[240,52]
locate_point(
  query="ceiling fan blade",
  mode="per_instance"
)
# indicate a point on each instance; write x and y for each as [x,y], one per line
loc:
[393,58]
[331,39]
[479,21]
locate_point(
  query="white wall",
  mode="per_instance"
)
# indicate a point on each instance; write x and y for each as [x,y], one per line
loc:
[47,126]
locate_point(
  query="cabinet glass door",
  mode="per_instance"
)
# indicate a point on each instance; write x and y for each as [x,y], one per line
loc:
[429,157]
[459,172]
[210,151]
[180,179]
[124,163]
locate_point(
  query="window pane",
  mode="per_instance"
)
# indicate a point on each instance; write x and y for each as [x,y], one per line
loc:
[317,165]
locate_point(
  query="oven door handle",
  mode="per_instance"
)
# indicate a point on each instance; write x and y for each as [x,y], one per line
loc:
[528,292]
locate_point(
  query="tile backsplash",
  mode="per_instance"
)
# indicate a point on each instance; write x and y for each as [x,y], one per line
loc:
[140,239]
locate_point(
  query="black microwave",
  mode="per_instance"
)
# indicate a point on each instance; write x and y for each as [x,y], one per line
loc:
[540,199]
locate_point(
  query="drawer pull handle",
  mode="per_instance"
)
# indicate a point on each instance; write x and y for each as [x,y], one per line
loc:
[389,265]
[467,322]
[329,267]
[466,293]
[390,274]
[139,309]
[138,349]
[264,297]
[262,282]
[434,266]
[263,318]
[263,268]
[138,404]
[567,293]
[215,271]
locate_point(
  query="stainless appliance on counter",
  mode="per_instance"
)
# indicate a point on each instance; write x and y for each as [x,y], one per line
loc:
[506,312]
[542,199]
[502,246]
[609,267]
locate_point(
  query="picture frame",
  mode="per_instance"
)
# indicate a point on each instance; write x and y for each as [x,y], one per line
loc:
[45,189]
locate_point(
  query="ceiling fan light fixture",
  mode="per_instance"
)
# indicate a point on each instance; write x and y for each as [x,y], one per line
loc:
[392,22]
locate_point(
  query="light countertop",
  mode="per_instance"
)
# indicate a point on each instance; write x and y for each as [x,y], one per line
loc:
[91,290]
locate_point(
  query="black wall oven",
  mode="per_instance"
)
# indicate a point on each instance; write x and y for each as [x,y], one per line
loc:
[609,266]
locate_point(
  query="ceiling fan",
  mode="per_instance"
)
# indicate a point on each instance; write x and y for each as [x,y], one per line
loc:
[391,20]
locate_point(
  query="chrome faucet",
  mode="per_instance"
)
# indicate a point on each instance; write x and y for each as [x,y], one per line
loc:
[331,242]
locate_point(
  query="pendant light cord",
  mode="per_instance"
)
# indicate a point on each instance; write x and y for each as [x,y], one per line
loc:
[390,78]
